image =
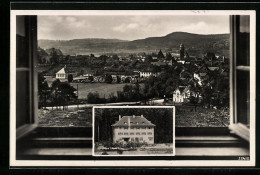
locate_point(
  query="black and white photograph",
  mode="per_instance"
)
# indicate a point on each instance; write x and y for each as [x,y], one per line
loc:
[133,131]
[166,85]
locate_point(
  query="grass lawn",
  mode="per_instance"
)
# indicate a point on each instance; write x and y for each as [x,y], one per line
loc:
[104,89]
[60,118]
[187,117]
[155,149]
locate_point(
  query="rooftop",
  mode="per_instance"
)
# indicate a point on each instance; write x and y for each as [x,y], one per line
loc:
[133,121]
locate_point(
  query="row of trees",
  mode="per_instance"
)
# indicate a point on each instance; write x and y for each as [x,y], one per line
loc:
[213,90]
[130,93]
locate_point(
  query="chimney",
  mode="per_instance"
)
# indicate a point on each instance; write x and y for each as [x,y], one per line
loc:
[119,117]
[133,116]
[142,116]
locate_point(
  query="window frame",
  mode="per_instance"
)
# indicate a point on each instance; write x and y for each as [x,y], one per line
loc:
[235,126]
[31,31]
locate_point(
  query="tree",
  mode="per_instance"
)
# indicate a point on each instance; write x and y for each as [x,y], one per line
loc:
[194,101]
[115,57]
[118,79]
[162,118]
[108,78]
[90,78]
[169,56]
[41,54]
[63,93]
[55,54]
[149,59]
[43,91]
[93,98]
[127,80]
[70,78]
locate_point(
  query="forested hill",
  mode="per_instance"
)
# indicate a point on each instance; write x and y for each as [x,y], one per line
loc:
[194,43]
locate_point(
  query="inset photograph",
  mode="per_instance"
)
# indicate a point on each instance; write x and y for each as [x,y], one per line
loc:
[133,131]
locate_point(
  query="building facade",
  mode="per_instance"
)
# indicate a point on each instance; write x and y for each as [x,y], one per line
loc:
[133,128]
[145,74]
[181,95]
[63,73]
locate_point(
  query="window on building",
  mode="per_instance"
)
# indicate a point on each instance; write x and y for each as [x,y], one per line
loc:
[131,133]
[138,133]
[149,133]
[150,138]
[143,133]
[126,133]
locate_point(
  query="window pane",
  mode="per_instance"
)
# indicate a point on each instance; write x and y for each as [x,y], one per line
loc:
[243,40]
[243,97]
[22,52]
[22,98]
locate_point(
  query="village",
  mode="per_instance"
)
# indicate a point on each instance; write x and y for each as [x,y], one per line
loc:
[164,78]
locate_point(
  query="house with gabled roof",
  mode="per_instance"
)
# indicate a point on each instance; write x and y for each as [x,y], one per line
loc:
[202,73]
[133,128]
[181,94]
[63,73]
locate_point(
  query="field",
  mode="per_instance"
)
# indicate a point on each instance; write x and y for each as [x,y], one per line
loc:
[104,89]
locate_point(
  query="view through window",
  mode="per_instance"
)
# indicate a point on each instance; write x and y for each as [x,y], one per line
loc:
[133,60]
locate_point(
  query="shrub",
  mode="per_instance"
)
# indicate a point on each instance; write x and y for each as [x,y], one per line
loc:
[108,144]
[105,153]
[120,151]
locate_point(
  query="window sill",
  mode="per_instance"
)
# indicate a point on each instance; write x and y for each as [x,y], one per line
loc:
[240,130]
[24,130]
[47,147]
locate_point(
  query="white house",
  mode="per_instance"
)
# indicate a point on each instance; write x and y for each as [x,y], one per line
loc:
[133,128]
[181,95]
[145,74]
[63,73]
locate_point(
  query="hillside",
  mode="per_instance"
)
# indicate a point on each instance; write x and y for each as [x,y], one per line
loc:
[194,43]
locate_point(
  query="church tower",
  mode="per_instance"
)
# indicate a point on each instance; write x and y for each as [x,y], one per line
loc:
[182,50]
[160,55]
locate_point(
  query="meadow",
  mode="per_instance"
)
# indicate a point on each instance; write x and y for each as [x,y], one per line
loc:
[103,89]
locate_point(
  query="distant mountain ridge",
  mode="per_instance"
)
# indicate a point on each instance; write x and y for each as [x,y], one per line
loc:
[194,43]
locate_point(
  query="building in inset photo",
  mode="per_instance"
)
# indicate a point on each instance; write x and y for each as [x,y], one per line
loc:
[133,130]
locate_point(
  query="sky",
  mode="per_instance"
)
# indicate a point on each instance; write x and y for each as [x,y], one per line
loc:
[128,27]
